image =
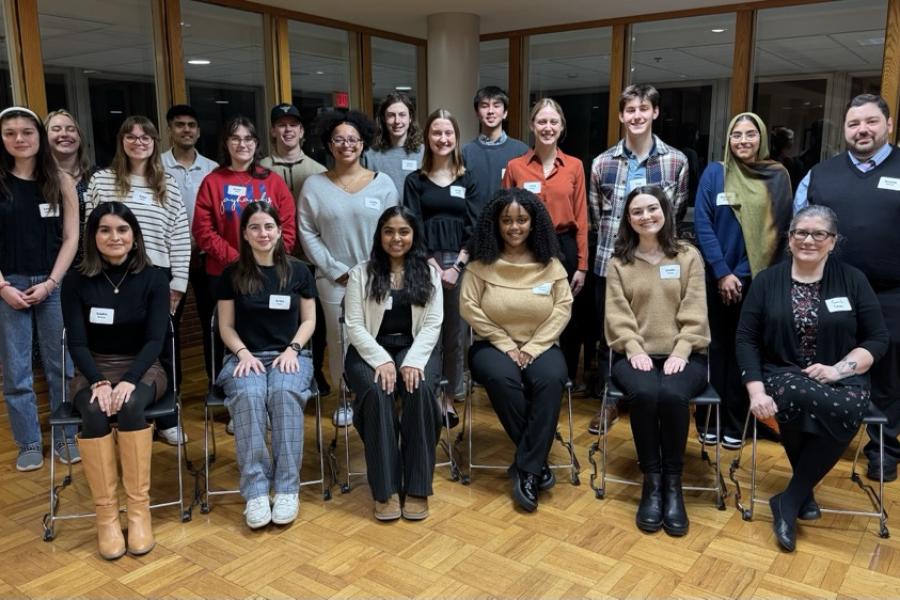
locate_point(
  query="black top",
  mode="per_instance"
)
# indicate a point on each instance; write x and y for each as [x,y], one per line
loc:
[269,319]
[29,242]
[448,213]
[130,323]
[849,316]
[397,320]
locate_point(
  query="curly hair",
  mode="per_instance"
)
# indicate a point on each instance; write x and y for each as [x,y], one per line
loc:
[627,239]
[417,274]
[382,139]
[330,121]
[486,244]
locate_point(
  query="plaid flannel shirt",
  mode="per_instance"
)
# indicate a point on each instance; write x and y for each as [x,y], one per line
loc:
[667,167]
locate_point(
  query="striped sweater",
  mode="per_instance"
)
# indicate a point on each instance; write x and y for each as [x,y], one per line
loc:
[167,235]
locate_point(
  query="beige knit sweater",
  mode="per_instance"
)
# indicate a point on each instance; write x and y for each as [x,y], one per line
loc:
[511,305]
[657,309]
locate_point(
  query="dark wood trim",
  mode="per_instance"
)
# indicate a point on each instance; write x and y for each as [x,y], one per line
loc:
[161,64]
[365,70]
[890,70]
[518,95]
[618,64]
[315,19]
[283,61]
[26,61]
[176,52]
[11,32]
[742,63]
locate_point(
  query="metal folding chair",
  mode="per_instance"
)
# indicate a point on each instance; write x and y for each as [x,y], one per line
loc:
[66,415]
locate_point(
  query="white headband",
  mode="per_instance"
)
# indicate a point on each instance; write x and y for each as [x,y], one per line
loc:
[11,109]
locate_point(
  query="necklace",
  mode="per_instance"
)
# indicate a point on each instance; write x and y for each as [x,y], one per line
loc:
[346,186]
[114,285]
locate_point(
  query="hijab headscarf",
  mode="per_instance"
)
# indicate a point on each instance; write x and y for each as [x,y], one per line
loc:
[760,195]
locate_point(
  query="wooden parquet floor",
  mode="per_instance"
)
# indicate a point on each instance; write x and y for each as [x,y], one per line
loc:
[475,544]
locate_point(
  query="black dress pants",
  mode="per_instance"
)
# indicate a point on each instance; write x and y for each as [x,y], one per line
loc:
[886,383]
[572,336]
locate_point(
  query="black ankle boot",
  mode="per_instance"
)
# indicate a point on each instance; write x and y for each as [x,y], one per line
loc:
[675,519]
[649,514]
[525,490]
[785,529]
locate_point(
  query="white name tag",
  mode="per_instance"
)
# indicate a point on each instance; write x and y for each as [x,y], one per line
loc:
[841,304]
[637,182]
[502,172]
[236,191]
[142,197]
[48,211]
[542,290]
[458,191]
[279,302]
[373,203]
[389,302]
[533,186]
[670,272]
[889,183]
[409,165]
[102,316]
[725,199]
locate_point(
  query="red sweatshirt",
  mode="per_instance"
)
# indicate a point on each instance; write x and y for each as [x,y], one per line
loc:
[222,197]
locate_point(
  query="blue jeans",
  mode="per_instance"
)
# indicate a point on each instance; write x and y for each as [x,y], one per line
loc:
[15,354]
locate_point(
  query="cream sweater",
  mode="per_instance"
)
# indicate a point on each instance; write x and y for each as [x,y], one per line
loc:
[657,309]
[511,305]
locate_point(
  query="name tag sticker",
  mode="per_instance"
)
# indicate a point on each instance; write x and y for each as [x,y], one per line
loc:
[889,183]
[458,191]
[409,165]
[279,302]
[373,203]
[533,186]
[142,197]
[48,211]
[102,316]
[502,172]
[724,198]
[389,303]
[237,191]
[670,272]
[542,290]
[841,304]
[637,182]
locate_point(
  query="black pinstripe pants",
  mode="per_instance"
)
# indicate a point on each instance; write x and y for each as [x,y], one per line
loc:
[399,448]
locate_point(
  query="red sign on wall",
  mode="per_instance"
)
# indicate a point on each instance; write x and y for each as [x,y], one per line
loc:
[341,99]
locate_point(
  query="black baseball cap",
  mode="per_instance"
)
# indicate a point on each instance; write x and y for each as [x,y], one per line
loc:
[284,110]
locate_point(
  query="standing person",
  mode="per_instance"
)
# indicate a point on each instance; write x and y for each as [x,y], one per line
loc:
[266,315]
[138,179]
[115,308]
[741,217]
[188,167]
[339,212]
[223,196]
[558,180]
[488,154]
[810,330]
[443,194]
[862,186]
[67,145]
[289,161]
[394,313]
[38,235]
[397,149]
[656,324]
[638,159]
[516,296]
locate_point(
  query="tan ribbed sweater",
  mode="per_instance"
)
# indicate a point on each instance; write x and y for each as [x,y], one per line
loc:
[511,305]
[649,310]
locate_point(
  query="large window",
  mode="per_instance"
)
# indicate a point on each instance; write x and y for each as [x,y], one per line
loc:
[572,67]
[494,64]
[224,67]
[6,98]
[810,60]
[98,64]
[393,69]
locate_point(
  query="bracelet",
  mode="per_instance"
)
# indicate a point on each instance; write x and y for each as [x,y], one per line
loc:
[101,383]
[238,351]
[457,269]
[55,282]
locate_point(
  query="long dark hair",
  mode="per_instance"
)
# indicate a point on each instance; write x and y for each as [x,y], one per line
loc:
[486,244]
[46,171]
[417,273]
[247,277]
[92,263]
[121,165]
[255,170]
[382,131]
[627,238]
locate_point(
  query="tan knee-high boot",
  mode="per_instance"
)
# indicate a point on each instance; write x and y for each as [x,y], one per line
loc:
[135,449]
[98,455]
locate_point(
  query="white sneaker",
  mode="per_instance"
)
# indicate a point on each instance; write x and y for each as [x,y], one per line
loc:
[172,436]
[284,509]
[258,513]
[229,429]
[343,416]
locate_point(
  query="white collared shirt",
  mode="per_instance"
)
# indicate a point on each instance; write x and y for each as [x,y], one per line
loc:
[188,178]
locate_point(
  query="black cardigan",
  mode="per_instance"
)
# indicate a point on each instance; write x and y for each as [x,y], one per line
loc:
[767,342]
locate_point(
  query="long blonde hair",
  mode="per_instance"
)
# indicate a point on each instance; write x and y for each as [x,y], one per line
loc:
[428,157]
[121,167]
[84,162]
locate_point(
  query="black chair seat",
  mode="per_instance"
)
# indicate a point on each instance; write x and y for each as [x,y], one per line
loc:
[874,416]
[65,414]
[215,397]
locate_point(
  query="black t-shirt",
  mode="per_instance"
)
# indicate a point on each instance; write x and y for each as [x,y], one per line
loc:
[269,319]
[30,231]
[397,320]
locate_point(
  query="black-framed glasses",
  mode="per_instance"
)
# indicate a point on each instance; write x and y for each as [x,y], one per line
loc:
[347,141]
[818,235]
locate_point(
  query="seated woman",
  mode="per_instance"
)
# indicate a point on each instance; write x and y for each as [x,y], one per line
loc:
[264,375]
[393,313]
[810,329]
[116,312]
[657,326]
[516,297]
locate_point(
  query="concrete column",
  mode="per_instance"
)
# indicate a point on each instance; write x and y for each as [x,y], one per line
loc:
[453,40]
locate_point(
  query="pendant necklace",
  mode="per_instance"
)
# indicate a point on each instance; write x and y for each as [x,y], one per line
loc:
[115,286]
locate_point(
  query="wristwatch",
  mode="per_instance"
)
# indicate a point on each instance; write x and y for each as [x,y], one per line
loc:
[296,347]
[460,266]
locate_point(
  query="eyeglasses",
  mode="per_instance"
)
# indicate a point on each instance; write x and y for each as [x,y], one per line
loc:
[349,141]
[236,140]
[137,139]
[800,235]
[750,136]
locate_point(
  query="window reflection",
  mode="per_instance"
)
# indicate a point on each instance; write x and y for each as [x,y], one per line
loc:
[393,69]
[494,64]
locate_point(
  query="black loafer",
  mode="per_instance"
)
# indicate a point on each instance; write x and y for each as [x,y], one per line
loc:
[452,419]
[810,510]
[649,517]
[890,471]
[674,515]
[548,479]
[525,490]
[785,532]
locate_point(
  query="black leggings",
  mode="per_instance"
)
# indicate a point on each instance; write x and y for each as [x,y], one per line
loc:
[812,457]
[95,423]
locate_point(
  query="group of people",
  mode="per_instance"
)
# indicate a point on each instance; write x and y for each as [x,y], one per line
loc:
[386,257]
